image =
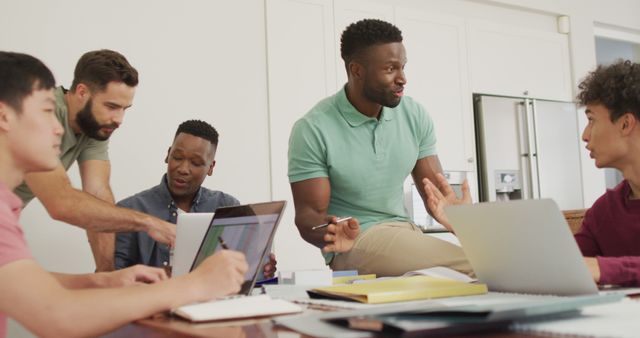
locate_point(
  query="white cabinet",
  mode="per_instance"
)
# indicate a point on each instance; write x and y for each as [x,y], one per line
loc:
[301,70]
[437,78]
[511,61]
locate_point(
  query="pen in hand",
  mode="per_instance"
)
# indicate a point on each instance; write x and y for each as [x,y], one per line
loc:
[327,224]
[222,243]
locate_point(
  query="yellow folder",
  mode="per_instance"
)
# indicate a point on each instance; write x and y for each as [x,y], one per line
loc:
[400,289]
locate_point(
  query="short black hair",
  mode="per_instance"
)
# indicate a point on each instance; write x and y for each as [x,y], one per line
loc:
[365,33]
[200,129]
[615,86]
[20,75]
[99,67]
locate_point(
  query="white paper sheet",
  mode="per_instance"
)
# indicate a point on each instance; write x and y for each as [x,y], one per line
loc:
[621,319]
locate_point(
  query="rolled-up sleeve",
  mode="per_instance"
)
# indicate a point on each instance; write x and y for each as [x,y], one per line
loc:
[623,271]
[307,153]
[586,238]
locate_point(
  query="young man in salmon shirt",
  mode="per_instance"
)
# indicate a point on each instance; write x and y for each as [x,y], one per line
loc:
[54,304]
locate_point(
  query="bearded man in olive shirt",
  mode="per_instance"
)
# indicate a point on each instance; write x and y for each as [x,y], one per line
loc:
[102,90]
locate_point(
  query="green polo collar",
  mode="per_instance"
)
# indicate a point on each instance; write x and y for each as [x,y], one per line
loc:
[352,115]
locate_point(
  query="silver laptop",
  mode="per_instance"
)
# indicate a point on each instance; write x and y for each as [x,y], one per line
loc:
[190,230]
[522,246]
[246,228]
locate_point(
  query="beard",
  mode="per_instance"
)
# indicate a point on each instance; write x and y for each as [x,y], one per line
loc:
[87,122]
[381,97]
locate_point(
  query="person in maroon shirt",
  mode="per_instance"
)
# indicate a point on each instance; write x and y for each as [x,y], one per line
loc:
[609,237]
[610,233]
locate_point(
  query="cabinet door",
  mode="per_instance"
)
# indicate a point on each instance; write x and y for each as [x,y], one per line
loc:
[301,68]
[437,78]
[558,145]
[512,61]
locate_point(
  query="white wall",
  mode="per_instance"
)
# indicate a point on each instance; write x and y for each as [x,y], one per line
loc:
[619,13]
[198,60]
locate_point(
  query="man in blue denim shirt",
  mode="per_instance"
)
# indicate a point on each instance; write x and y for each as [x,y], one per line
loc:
[189,160]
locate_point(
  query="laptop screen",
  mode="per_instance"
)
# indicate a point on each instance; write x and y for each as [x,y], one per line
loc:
[522,246]
[245,228]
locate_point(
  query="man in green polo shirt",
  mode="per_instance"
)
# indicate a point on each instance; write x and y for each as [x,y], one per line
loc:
[350,155]
[103,88]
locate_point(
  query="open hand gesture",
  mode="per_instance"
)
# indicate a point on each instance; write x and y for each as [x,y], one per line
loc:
[440,195]
[340,237]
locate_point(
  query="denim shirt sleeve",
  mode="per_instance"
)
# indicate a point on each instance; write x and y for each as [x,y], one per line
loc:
[126,253]
[126,246]
[133,248]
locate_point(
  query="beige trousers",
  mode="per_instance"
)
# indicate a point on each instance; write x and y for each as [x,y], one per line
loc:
[393,248]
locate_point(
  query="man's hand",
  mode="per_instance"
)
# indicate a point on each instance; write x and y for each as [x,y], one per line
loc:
[442,195]
[161,231]
[269,268]
[340,237]
[594,268]
[219,275]
[137,274]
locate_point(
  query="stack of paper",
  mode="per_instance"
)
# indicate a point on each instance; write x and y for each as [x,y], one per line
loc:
[400,289]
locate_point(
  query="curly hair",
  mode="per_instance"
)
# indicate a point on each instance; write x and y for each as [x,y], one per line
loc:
[616,86]
[200,129]
[365,33]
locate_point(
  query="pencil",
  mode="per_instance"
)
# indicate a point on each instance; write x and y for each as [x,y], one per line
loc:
[222,243]
[327,224]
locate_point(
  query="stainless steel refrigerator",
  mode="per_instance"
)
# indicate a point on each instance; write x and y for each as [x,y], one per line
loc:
[528,148]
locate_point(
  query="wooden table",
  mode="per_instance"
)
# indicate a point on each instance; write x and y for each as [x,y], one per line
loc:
[163,326]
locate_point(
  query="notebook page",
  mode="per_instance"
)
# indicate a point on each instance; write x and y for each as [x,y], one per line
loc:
[244,307]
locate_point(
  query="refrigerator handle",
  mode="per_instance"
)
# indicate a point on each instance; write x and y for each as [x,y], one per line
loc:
[525,153]
[533,149]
